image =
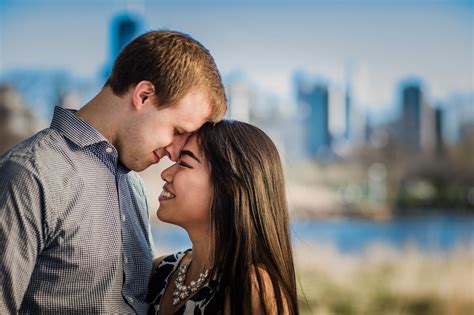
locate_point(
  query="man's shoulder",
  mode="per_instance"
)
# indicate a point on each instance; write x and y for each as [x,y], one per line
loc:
[45,148]
[33,143]
[45,154]
[27,149]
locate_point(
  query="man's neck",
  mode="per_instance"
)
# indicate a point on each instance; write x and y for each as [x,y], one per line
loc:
[103,113]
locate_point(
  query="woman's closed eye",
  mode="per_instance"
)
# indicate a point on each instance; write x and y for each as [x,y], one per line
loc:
[182,163]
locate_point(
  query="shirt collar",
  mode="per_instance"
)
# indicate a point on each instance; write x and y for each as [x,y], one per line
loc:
[74,128]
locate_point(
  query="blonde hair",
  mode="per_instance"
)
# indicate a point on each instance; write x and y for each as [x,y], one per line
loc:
[174,62]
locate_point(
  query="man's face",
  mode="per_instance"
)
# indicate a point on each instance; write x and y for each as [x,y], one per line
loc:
[152,132]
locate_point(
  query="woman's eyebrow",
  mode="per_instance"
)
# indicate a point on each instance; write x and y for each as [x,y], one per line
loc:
[189,153]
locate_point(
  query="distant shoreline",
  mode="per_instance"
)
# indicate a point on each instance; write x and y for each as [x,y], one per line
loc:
[375,213]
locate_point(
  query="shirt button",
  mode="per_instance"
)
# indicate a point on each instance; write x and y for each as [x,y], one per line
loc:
[109,150]
[123,217]
[125,259]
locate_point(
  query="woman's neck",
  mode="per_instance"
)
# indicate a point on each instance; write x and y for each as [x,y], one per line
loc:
[201,254]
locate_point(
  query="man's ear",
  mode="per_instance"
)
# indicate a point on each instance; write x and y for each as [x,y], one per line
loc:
[142,94]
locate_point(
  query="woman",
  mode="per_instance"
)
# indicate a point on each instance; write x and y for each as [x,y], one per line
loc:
[227,191]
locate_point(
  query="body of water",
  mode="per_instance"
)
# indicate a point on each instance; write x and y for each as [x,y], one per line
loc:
[430,233]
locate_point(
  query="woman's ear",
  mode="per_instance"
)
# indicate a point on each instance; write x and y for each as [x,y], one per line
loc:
[142,94]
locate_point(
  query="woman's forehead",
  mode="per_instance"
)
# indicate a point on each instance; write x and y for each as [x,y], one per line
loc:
[192,144]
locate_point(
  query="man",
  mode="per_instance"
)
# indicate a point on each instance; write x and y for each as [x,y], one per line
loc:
[74,224]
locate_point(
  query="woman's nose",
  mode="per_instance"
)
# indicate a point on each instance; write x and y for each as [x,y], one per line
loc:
[168,174]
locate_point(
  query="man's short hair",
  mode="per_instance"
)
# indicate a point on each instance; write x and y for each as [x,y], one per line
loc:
[174,62]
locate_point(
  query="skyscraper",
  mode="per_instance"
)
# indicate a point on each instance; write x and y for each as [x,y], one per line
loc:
[348,111]
[241,98]
[315,98]
[417,127]
[123,28]
[411,116]
[439,113]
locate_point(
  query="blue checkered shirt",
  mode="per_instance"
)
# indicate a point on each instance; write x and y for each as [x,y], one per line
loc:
[74,225]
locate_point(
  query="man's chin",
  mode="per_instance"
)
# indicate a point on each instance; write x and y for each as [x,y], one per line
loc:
[141,168]
[137,167]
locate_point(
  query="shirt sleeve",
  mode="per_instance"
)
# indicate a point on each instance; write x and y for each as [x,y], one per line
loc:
[22,204]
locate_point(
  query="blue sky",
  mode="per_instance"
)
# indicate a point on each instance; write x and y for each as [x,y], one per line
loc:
[266,40]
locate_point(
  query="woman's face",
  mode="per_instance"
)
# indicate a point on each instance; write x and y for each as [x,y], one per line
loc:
[186,196]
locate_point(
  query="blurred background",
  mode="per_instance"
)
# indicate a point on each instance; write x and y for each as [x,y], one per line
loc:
[370,103]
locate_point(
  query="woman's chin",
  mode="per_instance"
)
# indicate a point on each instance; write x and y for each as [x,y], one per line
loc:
[163,216]
[160,215]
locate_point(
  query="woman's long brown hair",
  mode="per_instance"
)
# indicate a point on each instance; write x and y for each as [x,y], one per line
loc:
[249,215]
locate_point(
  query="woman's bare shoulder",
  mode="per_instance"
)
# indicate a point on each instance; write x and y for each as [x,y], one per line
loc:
[263,293]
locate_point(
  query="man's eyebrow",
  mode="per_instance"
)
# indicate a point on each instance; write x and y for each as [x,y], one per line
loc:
[189,153]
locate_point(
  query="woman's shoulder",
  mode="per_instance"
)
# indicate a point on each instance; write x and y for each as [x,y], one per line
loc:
[263,292]
[157,261]
[163,267]
[169,260]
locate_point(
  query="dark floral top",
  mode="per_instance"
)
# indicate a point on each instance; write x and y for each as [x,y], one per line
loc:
[208,300]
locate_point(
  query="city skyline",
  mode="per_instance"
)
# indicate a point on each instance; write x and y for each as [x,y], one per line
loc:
[429,40]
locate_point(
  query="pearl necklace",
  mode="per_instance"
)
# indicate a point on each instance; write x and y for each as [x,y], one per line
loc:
[182,291]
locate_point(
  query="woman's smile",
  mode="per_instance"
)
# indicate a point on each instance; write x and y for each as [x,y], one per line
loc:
[165,195]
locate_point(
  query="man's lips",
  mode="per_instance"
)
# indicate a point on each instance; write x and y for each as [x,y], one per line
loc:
[156,156]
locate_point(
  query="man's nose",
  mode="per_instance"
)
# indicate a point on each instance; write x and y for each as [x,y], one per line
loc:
[174,149]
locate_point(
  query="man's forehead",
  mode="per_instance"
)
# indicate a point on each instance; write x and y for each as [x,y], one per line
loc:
[192,122]
[192,144]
